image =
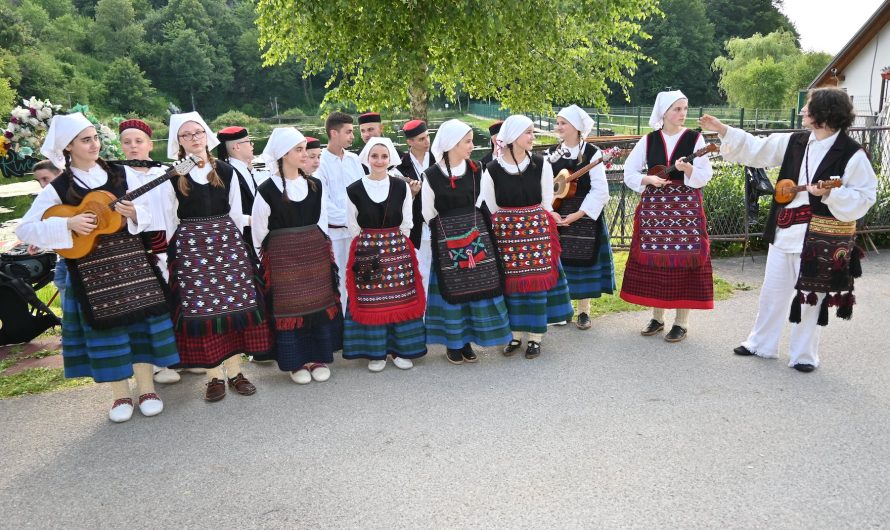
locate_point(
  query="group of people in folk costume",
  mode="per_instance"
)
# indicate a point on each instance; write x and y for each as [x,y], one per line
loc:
[382,253]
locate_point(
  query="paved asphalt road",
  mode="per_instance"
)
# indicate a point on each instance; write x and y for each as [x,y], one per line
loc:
[605,429]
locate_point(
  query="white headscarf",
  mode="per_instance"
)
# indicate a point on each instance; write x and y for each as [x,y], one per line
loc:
[176,122]
[282,140]
[662,104]
[449,134]
[578,118]
[379,140]
[63,129]
[512,129]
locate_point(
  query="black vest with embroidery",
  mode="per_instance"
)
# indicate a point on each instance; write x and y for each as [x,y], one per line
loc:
[291,214]
[657,155]
[205,200]
[386,214]
[407,169]
[516,191]
[66,179]
[573,164]
[464,194]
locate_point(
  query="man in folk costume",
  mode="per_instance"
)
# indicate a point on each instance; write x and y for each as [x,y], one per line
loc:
[493,130]
[412,166]
[137,144]
[236,148]
[517,187]
[811,239]
[338,169]
[669,266]
[111,329]
[584,235]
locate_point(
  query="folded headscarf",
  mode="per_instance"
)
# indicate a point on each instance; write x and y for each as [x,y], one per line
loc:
[512,129]
[282,140]
[379,140]
[578,118]
[663,103]
[449,135]
[62,130]
[176,122]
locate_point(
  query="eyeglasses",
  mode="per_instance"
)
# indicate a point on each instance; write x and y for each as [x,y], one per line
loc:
[245,142]
[193,136]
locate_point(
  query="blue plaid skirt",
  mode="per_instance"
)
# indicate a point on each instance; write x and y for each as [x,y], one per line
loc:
[483,322]
[531,312]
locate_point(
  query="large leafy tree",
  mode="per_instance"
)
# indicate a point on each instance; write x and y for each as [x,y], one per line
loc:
[389,54]
[734,18]
[127,89]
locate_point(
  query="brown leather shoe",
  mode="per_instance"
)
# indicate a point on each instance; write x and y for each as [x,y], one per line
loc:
[216,390]
[242,385]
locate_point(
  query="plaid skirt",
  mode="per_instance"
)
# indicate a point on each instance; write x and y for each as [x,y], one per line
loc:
[531,312]
[483,322]
[592,281]
[403,339]
[108,355]
[317,344]
[667,287]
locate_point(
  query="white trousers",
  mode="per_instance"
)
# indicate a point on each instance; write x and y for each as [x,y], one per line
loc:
[341,257]
[424,262]
[773,308]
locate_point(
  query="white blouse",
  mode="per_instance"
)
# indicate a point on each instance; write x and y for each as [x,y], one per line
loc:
[161,200]
[297,190]
[636,163]
[487,194]
[378,191]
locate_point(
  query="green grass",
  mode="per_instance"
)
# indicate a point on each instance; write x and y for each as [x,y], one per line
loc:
[614,304]
[37,381]
[19,206]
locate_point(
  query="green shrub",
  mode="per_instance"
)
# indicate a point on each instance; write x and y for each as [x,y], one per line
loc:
[234,117]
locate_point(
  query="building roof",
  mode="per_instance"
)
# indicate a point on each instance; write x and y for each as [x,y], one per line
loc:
[866,33]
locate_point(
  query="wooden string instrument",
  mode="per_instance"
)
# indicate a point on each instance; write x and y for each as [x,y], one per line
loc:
[787,189]
[565,183]
[663,172]
[101,204]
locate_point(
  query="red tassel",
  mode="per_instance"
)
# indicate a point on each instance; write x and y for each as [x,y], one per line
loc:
[472,261]
[812,298]
[332,311]
[800,297]
[453,179]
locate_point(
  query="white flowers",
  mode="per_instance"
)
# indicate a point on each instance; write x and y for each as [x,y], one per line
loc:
[28,124]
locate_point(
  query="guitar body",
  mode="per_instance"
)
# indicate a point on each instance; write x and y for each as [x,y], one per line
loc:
[563,188]
[658,171]
[95,202]
[785,192]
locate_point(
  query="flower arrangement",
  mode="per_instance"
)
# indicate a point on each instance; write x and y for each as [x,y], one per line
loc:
[27,126]
[111,147]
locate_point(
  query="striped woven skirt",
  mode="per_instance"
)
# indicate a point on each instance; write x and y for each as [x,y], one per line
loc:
[108,355]
[316,344]
[531,312]
[403,339]
[592,281]
[483,322]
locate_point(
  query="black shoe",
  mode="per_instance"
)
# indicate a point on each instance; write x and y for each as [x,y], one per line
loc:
[468,354]
[743,351]
[676,334]
[533,350]
[583,321]
[454,356]
[652,328]
[511,348]
[804,367]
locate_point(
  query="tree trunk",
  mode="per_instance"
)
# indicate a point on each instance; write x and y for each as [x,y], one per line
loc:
[418,95]
[306,95]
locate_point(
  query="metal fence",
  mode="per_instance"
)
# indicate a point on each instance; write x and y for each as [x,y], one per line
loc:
[730,217]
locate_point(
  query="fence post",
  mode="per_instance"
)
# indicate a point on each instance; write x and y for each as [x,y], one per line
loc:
[597,123]
[791,122]
[756,112]
[701,112]
[742,118]
[639,119]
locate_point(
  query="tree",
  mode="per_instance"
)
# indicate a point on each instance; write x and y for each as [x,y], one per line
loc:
[683,48]
[393,54]
[127,90]
[765,71]
[185,58]
[733,18]
[117,28]
[7,97]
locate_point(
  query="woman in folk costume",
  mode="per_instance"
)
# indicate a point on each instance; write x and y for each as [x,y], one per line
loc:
[811,238]
[518,189]
[669,266]
[116,319]
[136,142]
[384,316]
[583,234]
[465,302]
[218,312]
[290,224]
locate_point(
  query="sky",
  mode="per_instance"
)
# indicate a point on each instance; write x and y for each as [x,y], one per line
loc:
[827,25]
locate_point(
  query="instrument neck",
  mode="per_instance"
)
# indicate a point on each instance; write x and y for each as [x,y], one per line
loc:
[142,190]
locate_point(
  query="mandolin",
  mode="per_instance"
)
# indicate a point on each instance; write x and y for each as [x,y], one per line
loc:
[101,203]
[565,184]
[787,189]
[662,172]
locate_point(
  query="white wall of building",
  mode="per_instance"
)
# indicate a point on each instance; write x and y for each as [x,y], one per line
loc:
[862,77]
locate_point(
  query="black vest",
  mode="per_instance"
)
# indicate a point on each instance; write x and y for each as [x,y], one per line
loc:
[573,165]
[246,195]
[206,200]
[656,151]
[66,179]
[406,168]
[291,214]
[516,191]
[386,214]
[465,192]
[834,164]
